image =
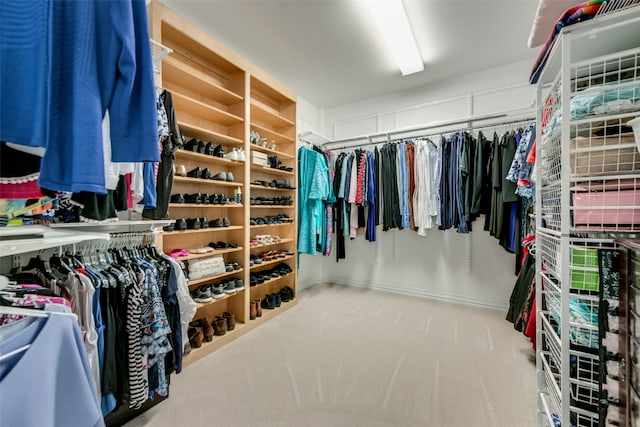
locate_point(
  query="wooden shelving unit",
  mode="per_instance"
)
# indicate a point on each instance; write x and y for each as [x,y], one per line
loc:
[220,98]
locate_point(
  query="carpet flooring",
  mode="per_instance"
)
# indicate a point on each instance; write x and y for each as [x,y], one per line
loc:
[351,357]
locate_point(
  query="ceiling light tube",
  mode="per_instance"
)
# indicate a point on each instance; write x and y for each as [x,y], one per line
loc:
[391,20]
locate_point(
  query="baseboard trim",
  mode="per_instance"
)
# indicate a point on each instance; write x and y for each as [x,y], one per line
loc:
[423,294]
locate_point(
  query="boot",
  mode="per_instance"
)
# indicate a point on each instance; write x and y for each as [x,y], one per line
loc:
[231,320]
[253,311]
[220,325]
[207,329]
[258,308]
[195,336]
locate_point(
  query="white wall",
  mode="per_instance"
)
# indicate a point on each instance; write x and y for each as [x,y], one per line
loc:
[436,265]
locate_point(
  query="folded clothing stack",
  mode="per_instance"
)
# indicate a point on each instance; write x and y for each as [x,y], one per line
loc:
[205,267]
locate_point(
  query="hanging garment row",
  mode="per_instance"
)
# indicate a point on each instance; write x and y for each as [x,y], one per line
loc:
[418,184]
[145,187]
[133,308]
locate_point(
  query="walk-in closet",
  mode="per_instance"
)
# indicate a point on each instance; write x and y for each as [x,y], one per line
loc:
[319,213]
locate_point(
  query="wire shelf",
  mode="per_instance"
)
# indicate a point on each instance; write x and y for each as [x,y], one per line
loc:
[549,248]
[584,418]
[623,67]
[610,203]
[551,380]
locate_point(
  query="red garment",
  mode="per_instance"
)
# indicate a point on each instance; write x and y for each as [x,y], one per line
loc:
[129,196]
[530,331]
[20,190]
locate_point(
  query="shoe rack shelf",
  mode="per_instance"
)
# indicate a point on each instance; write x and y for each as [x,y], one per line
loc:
[209,254]
[270,314]
[214,278]
[257,267]
[204,305]
[220,98]
[262,187]
[271,171]
[266,245]
[204,206]
[198,157]
[201,181]
[268,282]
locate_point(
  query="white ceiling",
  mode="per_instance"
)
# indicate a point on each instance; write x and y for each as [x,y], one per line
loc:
[326,51]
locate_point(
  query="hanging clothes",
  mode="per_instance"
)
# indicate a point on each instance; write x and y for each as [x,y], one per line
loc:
[313,187]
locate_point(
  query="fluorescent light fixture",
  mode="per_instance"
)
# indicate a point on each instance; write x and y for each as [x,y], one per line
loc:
[391,20]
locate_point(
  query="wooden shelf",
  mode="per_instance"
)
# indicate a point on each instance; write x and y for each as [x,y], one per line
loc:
[214,182]
[269,314]
[213,278]
[266,245]
[207,206]
[206,134]
[267,282]
[266,150]
[262,187]
[192,78]
[272,171]
[218,341]
[201,305]
[208,254]
[272,206]
[199,157]
[200,109]
[268,225]
[271,135]
[203,230]
[271,262]
[268,115]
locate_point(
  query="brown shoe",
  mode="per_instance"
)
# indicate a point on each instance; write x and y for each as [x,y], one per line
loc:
[231,320]
[258,308]
[207,329]
[195,336]
[220,325]
[253,311]
[187,349]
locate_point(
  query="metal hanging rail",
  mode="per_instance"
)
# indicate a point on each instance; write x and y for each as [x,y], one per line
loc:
[463,121]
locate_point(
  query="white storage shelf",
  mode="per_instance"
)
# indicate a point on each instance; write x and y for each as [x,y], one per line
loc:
[50,238]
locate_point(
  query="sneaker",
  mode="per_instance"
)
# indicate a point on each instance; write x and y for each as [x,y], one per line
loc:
[230,287]
[233,155]
[202,294]
[241,155]
[239,284]
[217,291]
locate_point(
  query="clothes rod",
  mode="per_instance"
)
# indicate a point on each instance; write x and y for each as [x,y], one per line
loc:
[419,128]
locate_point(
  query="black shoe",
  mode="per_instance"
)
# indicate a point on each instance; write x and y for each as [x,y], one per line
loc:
[193,198]
[205,199]
[217,223]
[277,299]
[205,174]
[195,173]
[226,222]
[181,224]
[219,151]
[177,198]
[209,149]
[268,302]
[193,145]
[193,223]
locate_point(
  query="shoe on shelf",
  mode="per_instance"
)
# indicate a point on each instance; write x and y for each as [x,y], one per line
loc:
[229,287]
[217,291]
[193,223]
[285,295]
[195,198]
[181,224]
[181,170]
[177,198]
[194,145]
[252,311]
[207,329]
[195,336]
[226,222]
[205,174]
[202,294]
[233,155]
[219,151]
[220,176]
[241,155]
[195,172]
[200,251]
[209,149]
[187,349]
[253,279]
[277,299]
[268,302]
[239,284]
[204,222]
[230,177]
[231,320]
[258,308]
[292,294]
[220,325]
